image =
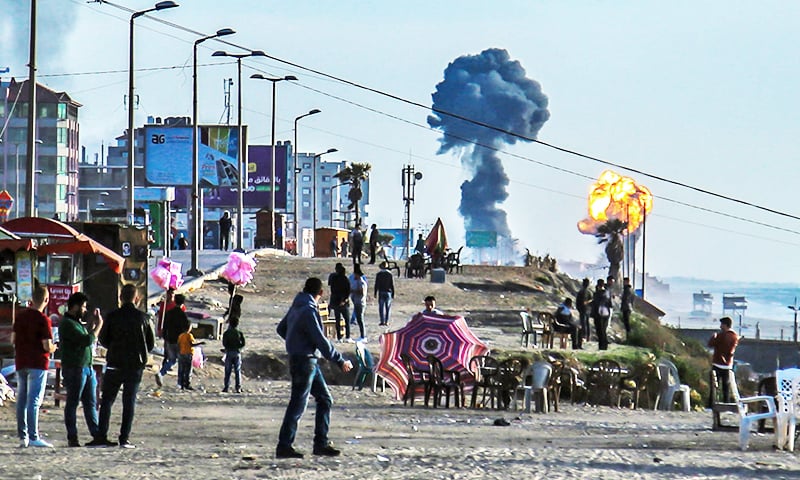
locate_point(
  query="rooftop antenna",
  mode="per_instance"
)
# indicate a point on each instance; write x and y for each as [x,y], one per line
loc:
[226,88]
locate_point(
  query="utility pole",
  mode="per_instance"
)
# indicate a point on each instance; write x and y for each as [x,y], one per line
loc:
[409,180]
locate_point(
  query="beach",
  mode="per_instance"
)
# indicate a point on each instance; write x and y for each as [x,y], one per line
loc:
[210,435]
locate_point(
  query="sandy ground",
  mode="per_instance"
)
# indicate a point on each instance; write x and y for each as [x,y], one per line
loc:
[207,434]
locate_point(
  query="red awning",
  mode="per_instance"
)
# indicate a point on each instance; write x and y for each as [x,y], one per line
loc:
[40,227]
[16,244]
[87,246]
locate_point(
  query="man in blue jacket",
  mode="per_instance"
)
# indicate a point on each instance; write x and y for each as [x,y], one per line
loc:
[301,327]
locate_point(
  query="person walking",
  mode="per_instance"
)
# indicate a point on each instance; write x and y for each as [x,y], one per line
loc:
[601,312]
[233,343]
[76,344]
[384,291]
[128,338]
[583,301]
[339,300]
[724,344]
[374,234]
[32,336]
[225,224]
[357,243]
[175,322]
[626,301]
[358,295]
[301,328]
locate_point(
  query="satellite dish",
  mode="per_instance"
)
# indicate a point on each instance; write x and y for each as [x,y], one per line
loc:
[418,175]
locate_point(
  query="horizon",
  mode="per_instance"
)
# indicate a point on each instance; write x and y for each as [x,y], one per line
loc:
[697,93]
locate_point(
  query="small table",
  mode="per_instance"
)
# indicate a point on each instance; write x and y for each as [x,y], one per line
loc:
[98,366]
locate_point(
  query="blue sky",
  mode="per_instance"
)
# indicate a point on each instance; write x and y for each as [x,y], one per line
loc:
[704,93]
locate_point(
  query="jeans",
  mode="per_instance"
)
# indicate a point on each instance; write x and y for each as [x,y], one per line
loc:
[358,313]
[224,240]
[185,370]
[306,378]
[233,363]
[626,320]
[384,306]
[585,329]
[31,384]
[342,312]
[601,328]
[170,357]
[81,385]
[129,381]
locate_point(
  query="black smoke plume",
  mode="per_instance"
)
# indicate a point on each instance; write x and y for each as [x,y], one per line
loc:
[492,89]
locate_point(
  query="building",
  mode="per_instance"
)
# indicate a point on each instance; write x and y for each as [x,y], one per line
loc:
[57,150]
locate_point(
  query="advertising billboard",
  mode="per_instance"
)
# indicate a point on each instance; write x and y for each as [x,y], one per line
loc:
[168,155]
[258,192]
[481,238]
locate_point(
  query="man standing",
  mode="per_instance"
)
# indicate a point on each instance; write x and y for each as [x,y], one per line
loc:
[128,337]
[384,290]
[225,230]
[583,303]
[339,300]
[627,301]
[724,344]
[601,312]
[357,242]
[358,295]
[33,343]
[373,243]
[77,342]
[301,327]
[175,322]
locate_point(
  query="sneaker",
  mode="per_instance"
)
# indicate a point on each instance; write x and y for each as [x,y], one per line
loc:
[349,340]
[188,387]
[73,442]
[40,443]
[101,442]
[23,443]
[326,450]
[225,390]
[126,444]
[282,452]
[238,389]
[159,379]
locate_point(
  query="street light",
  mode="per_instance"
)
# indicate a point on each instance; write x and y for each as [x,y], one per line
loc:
[131,149]
[314,187]
[16,186]
[242,161]
[274,81]
[194,270]
[297,170]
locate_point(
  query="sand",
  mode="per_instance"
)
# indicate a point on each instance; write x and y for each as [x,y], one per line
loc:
[207,434]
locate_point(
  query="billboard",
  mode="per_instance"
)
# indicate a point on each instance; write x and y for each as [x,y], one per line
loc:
[481,238]
[258,192]
[168,155]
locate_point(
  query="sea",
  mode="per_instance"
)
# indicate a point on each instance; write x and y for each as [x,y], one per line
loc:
[769,312]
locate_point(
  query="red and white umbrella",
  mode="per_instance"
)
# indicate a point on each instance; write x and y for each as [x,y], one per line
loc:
[449,338]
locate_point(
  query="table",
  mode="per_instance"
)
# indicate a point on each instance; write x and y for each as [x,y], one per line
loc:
[98,366]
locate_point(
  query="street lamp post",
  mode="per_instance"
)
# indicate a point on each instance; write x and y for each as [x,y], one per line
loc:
[794,308]
[194,270]
[274,81]
[297,170]
[242,161]
[131,149]
[314,187]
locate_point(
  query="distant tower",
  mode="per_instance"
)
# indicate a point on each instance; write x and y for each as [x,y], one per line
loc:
[226,88]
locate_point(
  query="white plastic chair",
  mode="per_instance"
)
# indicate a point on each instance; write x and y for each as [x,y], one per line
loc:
[670,385]
[746,417]
[538,375]
[788,408]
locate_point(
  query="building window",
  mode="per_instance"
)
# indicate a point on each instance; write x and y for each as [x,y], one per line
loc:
[61,166]
[326,191]
[47,110]
[17,135]
[306,178]
[61,192]
[21,110]
[62,136]
[326,178]
[47,163]
[62,111]
[306,205]
[306,191]
[306,165]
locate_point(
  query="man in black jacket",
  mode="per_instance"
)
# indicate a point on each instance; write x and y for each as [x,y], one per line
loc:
[175,322]
[339,300]
[128,337]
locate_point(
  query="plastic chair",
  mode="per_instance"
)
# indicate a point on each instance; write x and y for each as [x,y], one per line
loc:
[670,385]
[535,385]
[527,330]
[484,369]
[545,321]
[416,377]
[366,367]
[788,408]
[602,382]
[746,416]
[441,381]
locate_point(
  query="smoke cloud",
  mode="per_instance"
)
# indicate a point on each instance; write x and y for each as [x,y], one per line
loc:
[492,89]
[55,20]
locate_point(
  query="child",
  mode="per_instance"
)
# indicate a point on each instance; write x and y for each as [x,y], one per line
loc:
[233,341]
[186,346]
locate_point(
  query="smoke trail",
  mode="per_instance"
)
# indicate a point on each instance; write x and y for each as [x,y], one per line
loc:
[492,89]
[55,21]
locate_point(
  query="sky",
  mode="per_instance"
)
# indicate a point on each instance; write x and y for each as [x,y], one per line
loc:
[701,93]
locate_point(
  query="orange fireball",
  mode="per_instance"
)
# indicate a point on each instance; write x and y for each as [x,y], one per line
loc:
[616,197]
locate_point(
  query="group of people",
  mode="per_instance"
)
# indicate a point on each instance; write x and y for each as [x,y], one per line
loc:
[127,336]
[354,288]
[598,306]
[355,240]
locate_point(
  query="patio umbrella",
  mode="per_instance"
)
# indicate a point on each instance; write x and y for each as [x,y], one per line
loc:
[436,243]
[448,338]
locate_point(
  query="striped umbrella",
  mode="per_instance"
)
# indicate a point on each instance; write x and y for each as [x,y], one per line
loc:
[448,338]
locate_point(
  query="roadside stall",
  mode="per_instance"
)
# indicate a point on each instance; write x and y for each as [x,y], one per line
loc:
[17,263]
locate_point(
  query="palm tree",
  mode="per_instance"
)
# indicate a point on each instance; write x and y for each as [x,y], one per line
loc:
[354,174]
[612,232]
